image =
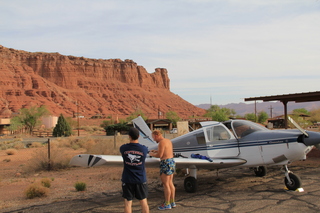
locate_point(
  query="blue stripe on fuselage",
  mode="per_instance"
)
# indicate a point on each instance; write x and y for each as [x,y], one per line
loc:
[235,144]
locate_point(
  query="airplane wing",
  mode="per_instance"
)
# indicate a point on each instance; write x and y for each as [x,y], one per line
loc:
[145,133]
[88,160]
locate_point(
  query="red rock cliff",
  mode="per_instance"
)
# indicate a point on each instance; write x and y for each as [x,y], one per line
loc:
[107,87]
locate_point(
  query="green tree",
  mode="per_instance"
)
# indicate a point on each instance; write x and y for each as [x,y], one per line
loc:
[111,129]
[219,114]
[262,117]
[62,129]
[15,124]
[301,111]
[106,123]
[250,117]
[300,116]
[173,117]
[30,117]
[315,115]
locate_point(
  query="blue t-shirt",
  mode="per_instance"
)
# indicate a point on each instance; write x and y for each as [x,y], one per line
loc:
[134,155]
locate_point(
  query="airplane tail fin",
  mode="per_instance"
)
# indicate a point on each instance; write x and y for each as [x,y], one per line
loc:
[145,133]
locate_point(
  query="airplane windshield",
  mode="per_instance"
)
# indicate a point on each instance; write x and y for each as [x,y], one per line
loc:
[243,128]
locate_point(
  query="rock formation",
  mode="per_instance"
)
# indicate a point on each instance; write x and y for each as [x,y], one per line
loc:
[106,87]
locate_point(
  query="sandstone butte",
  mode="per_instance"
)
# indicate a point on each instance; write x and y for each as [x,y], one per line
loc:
[109,87]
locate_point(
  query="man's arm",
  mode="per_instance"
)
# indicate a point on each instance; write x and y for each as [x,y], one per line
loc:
[158,153]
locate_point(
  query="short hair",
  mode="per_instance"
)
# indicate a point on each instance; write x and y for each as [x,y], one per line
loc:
[156,132]
[134,133]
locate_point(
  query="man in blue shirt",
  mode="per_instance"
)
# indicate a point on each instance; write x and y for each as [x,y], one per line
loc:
[134,178]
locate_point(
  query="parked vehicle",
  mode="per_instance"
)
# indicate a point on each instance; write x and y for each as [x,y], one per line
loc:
[174,131]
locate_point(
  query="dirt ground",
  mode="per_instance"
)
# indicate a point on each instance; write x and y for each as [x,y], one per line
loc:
[14,180]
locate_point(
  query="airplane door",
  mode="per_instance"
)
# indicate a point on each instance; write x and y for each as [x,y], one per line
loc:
[221,142]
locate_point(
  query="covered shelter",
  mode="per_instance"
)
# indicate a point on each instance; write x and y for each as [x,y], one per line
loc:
[164,124]
[285,98]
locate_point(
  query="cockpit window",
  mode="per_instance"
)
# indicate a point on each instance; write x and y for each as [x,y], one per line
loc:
[243,128]
[215,133]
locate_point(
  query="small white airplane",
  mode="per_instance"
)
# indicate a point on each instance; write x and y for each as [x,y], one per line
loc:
[217,145]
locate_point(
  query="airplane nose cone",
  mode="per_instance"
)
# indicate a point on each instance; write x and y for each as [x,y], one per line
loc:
[313,139]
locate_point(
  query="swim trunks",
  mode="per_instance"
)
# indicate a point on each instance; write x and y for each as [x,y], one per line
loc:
[167,166]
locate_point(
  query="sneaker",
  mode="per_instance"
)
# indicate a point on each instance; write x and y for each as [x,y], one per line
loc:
[173,205]
[164,207]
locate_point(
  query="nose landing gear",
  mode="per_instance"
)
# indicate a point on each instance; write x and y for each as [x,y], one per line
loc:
[291,180]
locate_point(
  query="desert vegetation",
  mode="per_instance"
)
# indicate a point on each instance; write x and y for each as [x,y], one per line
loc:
[80,186]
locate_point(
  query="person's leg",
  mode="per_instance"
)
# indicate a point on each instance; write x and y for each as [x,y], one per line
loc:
[127,206]
[144,206]
[165,179]
[172,189]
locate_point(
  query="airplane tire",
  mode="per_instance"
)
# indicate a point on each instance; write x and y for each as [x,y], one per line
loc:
[190,184]
[296,182]
[260,171]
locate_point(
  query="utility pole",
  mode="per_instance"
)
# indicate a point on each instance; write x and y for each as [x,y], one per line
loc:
[271,111]
[255,111]
[78,118]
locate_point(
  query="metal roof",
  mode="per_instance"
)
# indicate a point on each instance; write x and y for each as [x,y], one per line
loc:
[285,98]
[296,97]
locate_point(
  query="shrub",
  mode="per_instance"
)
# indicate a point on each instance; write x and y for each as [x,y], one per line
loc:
[80,186]
[46,182]
[36,190]
[35,145]
[19,145]
[39,161]
[11,151]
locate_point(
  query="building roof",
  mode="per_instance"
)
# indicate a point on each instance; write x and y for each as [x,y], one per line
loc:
[296,97]
[285,98]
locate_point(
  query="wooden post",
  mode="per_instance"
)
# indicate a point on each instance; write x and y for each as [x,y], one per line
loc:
[78,118]
[49,157]
[115,139]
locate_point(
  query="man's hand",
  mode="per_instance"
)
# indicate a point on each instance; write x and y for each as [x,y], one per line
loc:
[153,153]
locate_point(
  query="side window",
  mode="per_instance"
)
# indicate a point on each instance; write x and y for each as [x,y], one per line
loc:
[217,133]
[200,138]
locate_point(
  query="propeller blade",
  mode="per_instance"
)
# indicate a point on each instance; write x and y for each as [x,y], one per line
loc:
[297,126]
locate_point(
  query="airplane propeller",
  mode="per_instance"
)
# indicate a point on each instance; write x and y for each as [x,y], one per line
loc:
[309,138]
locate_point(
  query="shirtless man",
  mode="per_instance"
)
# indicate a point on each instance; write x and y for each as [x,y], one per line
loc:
[167,168]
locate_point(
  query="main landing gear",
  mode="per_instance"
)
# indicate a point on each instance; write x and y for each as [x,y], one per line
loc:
[190,183]
[260,171]
[291,180]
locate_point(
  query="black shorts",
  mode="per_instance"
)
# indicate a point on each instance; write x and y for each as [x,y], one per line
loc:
[131,190]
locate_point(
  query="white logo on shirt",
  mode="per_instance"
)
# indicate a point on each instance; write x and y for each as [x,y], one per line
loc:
[134,158]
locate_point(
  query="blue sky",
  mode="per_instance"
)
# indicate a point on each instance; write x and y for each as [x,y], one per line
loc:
[225,49]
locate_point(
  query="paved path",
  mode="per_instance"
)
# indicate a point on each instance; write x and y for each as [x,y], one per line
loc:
[236,190]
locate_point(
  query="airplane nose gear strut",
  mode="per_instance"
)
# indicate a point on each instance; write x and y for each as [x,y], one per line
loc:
[291,180]
[286,173]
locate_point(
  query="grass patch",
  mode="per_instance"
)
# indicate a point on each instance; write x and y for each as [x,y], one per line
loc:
[35,145]
[92,145]
[11,151]
[80,186]
[46,182]
[40,161]
[10,144]
[36,190]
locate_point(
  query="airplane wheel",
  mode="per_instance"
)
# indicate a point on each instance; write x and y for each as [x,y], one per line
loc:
[260,171]
[190,184]
[295,182]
